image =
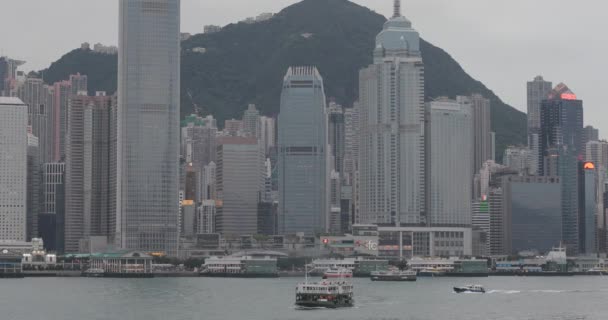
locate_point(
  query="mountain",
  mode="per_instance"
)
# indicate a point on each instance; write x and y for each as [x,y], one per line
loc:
[245,63]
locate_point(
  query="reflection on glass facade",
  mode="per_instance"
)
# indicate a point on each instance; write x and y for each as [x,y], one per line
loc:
[303,153]
[148,125]
[536,213]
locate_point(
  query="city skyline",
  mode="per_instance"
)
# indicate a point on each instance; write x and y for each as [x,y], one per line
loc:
[481,54]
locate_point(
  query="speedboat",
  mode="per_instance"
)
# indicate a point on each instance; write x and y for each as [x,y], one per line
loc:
[470,289]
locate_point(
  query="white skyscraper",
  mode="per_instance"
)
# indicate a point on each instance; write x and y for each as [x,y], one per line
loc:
[392,115]
[13,169]
[537,91]
[450,153]
[148,125]
[267,133]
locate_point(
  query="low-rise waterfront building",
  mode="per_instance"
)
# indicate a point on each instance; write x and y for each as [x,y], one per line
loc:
[123,263]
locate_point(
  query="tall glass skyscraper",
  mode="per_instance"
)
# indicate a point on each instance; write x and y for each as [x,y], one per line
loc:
[148,125]
[392,115]
[303,154]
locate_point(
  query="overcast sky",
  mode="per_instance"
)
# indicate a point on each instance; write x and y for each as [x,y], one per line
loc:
[501,43]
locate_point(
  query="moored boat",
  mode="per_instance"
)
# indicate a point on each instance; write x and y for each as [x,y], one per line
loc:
[470,289]
[394,274]
[337,273]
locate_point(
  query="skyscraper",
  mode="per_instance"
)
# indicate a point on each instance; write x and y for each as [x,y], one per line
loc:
[587,208]
[13,169]
[597,153]
[392,116]
[537,91]
[351,139]
[90,179]
[33,93]
[251,122]
[267,133]
[33,186]
[148,125]
[303,153]
[336,135]
[518,158]
[199,140]
[50,225]
[449,156]
[561,147]
[483,137]
[240,179]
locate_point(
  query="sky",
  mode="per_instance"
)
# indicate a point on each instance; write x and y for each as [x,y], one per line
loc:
[504,44]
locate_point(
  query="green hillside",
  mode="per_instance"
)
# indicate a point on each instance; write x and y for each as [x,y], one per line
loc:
[245,63]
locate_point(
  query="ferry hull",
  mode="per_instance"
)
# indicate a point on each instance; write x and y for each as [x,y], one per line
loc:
[239,275]
[328,305]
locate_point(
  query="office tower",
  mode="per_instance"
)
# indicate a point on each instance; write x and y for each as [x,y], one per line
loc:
[449,157]
[240,179]
[483,137]
[303,152]
[53,206]
[199,141]
[597,153]
[13,169]
[78,84]
[251,122]
[188,219]
[336,135]
[62,92]
[33,187]
[233,128]
[392,116]
[537,91]
[587,190]
[561,146]
[193,190]
[89,179]
[267,133]
[518,158]
[351,138]
[335,219]
[534,213]
[148,125]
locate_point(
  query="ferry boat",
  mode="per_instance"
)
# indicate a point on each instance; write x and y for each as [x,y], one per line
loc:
[325,294]
[337,273]
[470,289]
[431,272]
[94,273]
[394,274]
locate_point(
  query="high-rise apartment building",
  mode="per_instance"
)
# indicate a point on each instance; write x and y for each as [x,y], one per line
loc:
[61,97]
[449,156]
[351,139]
[13,169]
[392,116]
[78,84]
[34,94]
[148,125]
[90,172]
[303,154]
[240,180]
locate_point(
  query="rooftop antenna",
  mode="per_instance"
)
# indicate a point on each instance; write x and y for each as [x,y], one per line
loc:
[397,9]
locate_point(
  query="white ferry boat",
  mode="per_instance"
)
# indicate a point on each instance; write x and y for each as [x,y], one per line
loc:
[325,294]
[337,273]
[394,274]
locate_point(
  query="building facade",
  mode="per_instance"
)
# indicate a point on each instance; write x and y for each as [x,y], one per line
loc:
[240,180]
[537,91]
[148,125]
[392,138]
[13,169]
[303,152]
[449,156]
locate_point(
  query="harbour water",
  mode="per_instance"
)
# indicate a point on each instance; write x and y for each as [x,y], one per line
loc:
[508,298]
